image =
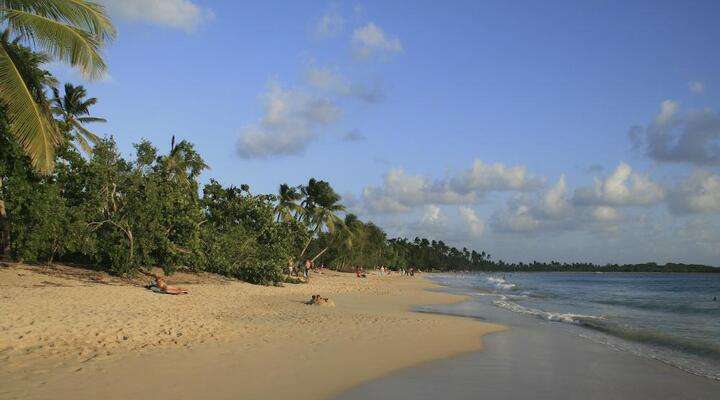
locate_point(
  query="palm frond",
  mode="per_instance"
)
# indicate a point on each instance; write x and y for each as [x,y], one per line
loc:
[91,119]
[84,143]
[95,139]
[30,122]
[86,15]
[67,43]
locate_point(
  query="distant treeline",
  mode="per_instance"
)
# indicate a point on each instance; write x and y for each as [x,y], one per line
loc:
[437,256]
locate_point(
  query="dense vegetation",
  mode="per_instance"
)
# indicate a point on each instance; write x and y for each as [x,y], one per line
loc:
[68,195]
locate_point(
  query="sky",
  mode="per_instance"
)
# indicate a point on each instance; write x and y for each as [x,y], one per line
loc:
[565,130]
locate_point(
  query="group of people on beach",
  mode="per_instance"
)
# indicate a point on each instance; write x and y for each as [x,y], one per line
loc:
[304,269]
[160,286]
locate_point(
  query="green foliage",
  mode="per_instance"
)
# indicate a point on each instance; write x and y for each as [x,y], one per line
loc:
[241,235]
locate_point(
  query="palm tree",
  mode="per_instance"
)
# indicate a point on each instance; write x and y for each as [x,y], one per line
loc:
[287,207]
[74,109]
[71,31]
[321,206]
[346,236]
[36,79]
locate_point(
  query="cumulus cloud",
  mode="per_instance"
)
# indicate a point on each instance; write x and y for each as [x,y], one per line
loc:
[485,177]
[517,217]
[330,24]
[370,39]
[459,225]
[548,210]
[555,204]
[330,81]
[621,188]
[699,193]
[400,192]
[292,120]
[692,137]
[473,223]
[178,14]
[605,214]
[696,86]
[552,210]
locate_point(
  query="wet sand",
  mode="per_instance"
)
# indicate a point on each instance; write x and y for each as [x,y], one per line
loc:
[534,359]
[66,337]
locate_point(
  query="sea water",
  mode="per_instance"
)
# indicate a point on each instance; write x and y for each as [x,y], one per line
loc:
[671,318]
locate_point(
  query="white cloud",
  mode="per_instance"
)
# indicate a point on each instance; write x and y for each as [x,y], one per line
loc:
[474,224]
[668,110]
[552,211]
[370,39]
[699,193]
[330,24]
[179,14]
[693,137]
[622,188]
[554,203]
[496,176]
[434,222]
[518,217]
[547,210]
[327,80]
[291,121]
[696,86]
[605,214]
[432,214]
[401,192]
[330,81]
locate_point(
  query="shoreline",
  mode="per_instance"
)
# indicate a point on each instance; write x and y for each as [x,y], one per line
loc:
[536,358]
[224,340]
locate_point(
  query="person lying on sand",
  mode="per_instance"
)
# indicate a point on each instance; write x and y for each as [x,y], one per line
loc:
[360,272]
[160,286]
[316,299]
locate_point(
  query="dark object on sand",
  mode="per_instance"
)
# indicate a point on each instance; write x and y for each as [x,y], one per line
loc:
[318,300]
[159,286]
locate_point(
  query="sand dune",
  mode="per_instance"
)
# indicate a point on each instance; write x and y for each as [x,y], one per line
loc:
[88,337]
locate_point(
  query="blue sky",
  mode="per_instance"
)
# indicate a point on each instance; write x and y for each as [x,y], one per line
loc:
[532,130]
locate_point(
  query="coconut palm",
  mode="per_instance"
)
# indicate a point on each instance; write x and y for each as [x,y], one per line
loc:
[287,207]
[70,31]
[321,206]
[183,162]
[74,109]
[36,79]
[345,237]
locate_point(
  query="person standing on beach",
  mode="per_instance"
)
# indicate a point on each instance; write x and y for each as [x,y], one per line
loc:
[307,268]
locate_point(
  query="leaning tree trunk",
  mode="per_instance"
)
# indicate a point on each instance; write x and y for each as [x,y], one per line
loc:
[4,229]
[320,253]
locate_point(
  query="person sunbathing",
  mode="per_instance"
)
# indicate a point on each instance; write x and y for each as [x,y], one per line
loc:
[161,287]
[317,299]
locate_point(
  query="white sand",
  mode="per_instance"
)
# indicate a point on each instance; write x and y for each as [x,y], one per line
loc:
[67,337]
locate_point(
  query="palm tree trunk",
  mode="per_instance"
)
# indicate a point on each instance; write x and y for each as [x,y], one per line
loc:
[320,253]
[4,230]
[317,228]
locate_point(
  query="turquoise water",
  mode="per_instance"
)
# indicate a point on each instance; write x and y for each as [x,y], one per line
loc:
[671,318]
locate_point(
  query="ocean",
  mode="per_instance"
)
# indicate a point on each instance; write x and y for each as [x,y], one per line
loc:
[670,318]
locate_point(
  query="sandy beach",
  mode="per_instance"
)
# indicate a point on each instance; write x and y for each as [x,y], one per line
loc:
[75,334]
